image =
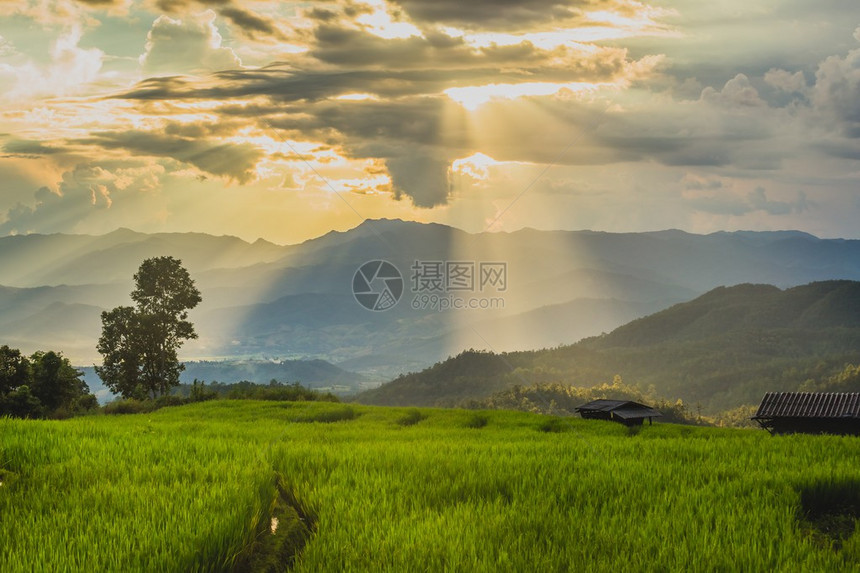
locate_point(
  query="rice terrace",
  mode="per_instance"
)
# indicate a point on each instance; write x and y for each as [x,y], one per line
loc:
[242,486]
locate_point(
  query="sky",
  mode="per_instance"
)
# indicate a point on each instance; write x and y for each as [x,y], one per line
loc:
[285,120]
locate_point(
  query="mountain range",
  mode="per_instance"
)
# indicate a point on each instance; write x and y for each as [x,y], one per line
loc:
[270,302]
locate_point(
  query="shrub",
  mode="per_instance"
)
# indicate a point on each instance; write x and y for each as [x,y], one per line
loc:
[477,421]
[329,416]
[200,393]
[129,407]
[829,511]
[411,417]
[21,403]
[552,425]
[169,400]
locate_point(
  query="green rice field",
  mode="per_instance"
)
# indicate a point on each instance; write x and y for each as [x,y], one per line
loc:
[355,488]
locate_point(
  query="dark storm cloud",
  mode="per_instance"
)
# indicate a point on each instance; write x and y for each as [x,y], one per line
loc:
[424,178]
[235,161]
[349,61]
[335,44]
[321,15]
[202,130]
[349,48]
[252,24]
[284,85]
[494,14]
[246,21]
[174,6]
[161,88]
[417,120]
[418,138]
[29,148]
[100,3]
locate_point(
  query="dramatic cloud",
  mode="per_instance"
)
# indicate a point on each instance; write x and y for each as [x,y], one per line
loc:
[617,114]
[250,23]
[495,14]
[410,77]
[786,81]
[188,45]
[85,192]
[837,92]
[178,6]
[738,92]
[423,178]
[233,161]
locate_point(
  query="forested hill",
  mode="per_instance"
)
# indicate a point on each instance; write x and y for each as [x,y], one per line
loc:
[721,350]
[746,307]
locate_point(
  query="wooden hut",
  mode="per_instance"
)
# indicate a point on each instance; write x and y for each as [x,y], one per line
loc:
[622,411]
[810,413]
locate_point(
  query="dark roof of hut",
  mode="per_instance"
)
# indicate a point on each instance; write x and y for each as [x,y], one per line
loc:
[809,405]
[603,405]
[623,409]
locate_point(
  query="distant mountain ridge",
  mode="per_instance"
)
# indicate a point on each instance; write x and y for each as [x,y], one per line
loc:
[295,301]
[62,259]
[722,350]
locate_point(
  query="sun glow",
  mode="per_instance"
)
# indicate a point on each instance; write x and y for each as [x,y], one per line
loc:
[358,97]
[645,22]
[543,40]
[476,166]
[598,26]
[472,97]
[381,23]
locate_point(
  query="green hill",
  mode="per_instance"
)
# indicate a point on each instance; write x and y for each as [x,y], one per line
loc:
[721,350]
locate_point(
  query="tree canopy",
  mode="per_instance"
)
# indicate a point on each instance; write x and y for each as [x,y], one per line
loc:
[44,384]
[14,369]
[139,344]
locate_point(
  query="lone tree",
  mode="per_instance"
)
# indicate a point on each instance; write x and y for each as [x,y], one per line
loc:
[139,343]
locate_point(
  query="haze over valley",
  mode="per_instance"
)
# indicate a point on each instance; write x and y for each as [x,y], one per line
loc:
[265,302]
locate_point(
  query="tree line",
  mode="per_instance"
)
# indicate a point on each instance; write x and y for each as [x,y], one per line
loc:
[44,384]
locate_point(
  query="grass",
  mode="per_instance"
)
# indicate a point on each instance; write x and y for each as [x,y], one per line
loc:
[194,488]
